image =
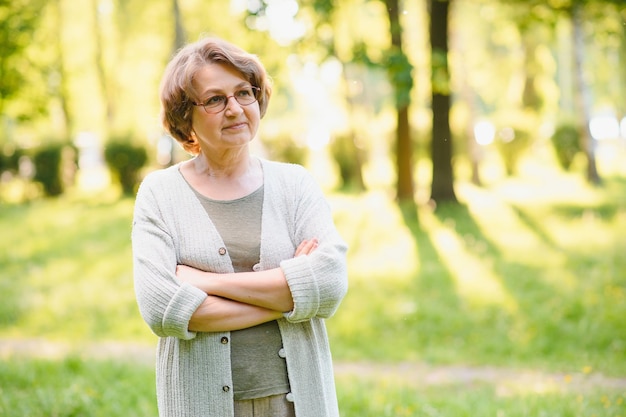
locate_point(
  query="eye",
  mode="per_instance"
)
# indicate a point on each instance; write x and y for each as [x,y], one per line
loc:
[245,92]
[214,101]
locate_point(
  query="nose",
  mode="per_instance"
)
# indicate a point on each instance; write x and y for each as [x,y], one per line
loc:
[237,109]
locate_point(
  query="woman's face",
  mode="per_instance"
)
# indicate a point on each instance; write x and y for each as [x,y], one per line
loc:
[236,125]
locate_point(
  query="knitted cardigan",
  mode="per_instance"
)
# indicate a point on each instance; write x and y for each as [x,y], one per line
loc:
[171,227]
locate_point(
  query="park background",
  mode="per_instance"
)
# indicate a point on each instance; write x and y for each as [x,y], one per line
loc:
[473,153]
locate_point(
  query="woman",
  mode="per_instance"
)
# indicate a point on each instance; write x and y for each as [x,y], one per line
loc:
[236,259]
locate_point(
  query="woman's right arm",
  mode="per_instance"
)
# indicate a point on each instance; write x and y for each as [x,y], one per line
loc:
[165,304]
[218,314]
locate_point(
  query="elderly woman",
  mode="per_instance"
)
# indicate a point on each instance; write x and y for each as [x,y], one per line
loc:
[237,261]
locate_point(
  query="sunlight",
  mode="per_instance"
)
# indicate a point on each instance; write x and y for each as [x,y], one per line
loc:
[519,238]
[379,244]
[474,279]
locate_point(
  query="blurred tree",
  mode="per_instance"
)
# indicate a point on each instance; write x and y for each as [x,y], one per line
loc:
[400,73]
[180,34]
[579,12]
[320,41]
[61,87]
[18,22]
[346,150]
[105,80]
[442,187]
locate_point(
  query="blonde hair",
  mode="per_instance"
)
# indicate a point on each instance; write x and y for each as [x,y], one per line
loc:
[177,93]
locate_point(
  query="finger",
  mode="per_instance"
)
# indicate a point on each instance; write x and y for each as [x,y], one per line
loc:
[306,247]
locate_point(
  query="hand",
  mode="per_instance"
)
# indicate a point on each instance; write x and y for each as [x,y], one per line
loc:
[306,247]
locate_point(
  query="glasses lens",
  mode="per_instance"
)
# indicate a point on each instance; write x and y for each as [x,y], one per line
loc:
[246,96]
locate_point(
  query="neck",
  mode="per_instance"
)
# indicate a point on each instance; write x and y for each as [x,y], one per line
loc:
[227,165]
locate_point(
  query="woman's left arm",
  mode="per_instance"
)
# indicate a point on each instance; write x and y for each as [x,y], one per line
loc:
[318,282]
[267,289]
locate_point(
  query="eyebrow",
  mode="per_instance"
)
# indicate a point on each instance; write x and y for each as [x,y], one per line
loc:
[220,91]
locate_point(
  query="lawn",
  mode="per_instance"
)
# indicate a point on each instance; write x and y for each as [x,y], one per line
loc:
[525,274]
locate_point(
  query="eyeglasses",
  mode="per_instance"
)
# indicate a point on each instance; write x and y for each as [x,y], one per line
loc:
[217,103]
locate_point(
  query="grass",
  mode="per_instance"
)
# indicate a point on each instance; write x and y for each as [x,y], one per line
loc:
[75,387]
[524,274]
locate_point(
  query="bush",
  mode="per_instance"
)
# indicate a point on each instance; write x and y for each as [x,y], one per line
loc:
[9,159]
[54,167]
[512,142]
[566,142]
[348,158]
[125,160]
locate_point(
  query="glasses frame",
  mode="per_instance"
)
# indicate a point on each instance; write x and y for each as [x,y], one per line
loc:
[256,92]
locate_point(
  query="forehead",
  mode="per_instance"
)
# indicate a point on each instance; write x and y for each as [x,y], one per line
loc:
[218,77]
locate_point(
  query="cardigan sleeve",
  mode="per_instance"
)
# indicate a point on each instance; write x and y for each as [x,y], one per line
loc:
[318,282]
[165,305]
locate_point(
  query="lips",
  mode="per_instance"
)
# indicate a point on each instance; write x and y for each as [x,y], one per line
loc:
[235,125]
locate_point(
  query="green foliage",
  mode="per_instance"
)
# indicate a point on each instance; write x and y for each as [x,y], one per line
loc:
[284,148]
[400,73]
[10,159]
[347,156]
[125,160]
[18,21]
[514,136]
[511,143]
[54,167]
[440,76]
[566,142]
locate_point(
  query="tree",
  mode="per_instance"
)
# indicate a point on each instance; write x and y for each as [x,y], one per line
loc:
[583,91]
[18,21]
[442,187]
[400,74]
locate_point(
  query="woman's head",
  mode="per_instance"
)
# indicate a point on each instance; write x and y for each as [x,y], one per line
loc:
[177,91]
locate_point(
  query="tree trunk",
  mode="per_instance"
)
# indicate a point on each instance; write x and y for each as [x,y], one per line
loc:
[62,88]
[583,94]
[180,36]
[442,187]
[355,176]
[101,68]
[404,149]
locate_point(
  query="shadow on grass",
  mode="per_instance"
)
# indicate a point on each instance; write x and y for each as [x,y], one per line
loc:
[549,324]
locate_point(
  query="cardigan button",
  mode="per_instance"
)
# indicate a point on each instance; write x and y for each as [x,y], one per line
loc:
[225,388]
[224,340]
[256,267]
[290,397]
[282,353]
[222,251]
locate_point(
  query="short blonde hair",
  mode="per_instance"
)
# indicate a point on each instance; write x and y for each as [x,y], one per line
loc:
[177,93]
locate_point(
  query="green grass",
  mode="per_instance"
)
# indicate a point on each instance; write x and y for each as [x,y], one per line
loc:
[369,398]
[524,274]
[76,387]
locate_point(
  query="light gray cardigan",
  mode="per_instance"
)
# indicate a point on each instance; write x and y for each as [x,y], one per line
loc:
[171,227]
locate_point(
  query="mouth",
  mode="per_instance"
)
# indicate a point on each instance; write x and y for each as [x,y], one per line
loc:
[235,126]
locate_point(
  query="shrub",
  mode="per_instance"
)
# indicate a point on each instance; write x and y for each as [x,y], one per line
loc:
[512,143]
[348,158]
[566,142]
[9,159]
[54,167]
[125,160]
